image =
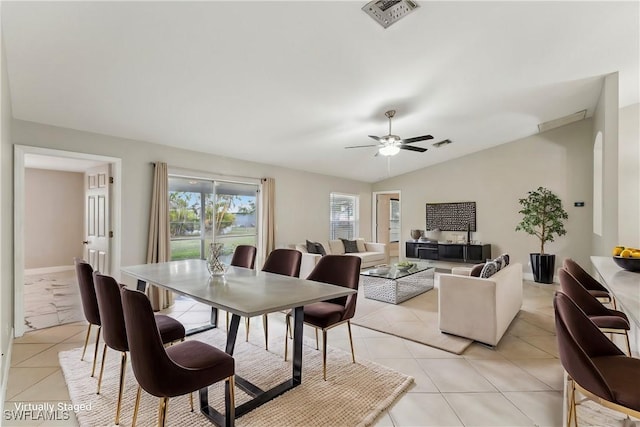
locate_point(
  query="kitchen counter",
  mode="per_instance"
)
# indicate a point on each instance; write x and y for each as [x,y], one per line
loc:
[623,284]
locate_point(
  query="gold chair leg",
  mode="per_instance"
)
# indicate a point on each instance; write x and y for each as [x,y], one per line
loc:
[123,365]
[227,321]
[191,401]
[104,356]
[265,323]
[316,329]
[86,341]
[353,354]
[95,353]
[324,353]
[626,337]
[162,411]
[246,324]
[289,328]
[572,405]
[286,342]
[232,399]
[613,301]
[135,408]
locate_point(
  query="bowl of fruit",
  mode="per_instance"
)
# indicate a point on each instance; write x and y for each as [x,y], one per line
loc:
[627,258]
[404,265]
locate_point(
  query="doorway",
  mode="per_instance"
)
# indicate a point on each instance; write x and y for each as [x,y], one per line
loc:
[52,278]
[387,224]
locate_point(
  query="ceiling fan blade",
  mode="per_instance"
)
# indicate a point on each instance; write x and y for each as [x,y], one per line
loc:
[416,139]
[412,148]
[362,146]
[377,138]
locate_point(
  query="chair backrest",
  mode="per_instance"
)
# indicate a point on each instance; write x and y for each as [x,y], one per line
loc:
[582,276]
[341,270]
[244,256]
[579,340]
[155,371]
[84,274]
[284,261]
[111,315]
[580,295]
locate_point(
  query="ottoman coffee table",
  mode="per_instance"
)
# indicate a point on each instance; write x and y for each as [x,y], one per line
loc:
[394,285]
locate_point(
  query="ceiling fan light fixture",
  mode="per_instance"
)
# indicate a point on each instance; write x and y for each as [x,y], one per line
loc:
[389,150]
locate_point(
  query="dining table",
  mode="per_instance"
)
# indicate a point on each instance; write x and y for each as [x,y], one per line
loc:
[242,292]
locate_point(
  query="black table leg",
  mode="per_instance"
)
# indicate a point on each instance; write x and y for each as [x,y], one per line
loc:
[260,396]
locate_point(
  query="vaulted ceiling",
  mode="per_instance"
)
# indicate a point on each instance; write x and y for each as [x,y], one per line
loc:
[291,83]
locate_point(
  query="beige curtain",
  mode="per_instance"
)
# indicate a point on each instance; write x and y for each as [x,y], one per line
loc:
[159,249]
[268,196]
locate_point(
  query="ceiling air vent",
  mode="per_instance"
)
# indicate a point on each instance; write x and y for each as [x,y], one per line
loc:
[441,143]
[386,12]
[552,124]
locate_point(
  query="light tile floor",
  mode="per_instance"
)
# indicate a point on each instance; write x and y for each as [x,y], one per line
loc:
[519,383]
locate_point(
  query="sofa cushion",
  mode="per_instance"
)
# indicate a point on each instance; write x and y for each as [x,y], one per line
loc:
[361,245]
[350,246]
[476,269]
[370,257]
[489,270]
[336,247]
[315,248]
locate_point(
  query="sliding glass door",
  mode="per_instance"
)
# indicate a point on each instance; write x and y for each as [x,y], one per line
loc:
[202,211]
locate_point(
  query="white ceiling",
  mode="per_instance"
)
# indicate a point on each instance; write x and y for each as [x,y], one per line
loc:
[292,83]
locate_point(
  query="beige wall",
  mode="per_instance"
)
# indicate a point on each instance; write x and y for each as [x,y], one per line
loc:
[560,159]
[6,215]
[302,199]
[629,176]
[53,217]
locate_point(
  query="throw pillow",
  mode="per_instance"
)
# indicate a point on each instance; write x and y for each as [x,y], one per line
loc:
[361,245]
[499,263]
[488,270]
[350,246]
[476,270]
[315,248]
[505,259]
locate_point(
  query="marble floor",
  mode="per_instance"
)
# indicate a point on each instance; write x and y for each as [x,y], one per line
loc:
[51,299]
[519,383]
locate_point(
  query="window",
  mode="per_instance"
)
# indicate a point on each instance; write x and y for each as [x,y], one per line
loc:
[202,211]
[394,220]
[343,216]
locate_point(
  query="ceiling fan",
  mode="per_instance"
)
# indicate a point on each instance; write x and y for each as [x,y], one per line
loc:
[390,145]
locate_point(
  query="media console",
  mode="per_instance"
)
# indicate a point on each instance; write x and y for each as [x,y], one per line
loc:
[454,252]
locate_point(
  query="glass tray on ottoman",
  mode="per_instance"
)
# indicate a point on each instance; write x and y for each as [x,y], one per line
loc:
[397,286]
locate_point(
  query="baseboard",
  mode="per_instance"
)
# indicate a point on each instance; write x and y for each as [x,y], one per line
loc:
[47,270]
[6,364]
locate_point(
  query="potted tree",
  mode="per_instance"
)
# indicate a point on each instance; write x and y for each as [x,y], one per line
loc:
[543,217]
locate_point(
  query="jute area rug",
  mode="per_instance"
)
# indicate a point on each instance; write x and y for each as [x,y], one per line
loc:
[415,319]
[353,395]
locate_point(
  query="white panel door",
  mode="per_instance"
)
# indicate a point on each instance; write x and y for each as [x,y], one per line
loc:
[97,219]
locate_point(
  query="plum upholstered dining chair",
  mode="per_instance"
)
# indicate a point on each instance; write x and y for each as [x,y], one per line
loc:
[114,333]
[594,287]
[595,365]
[84,274]
[608,320]
[243,256]
[280,261]
[173,371]
[341,270]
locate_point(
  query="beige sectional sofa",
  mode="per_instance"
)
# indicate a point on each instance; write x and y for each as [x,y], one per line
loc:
[370,253]
[480,309]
